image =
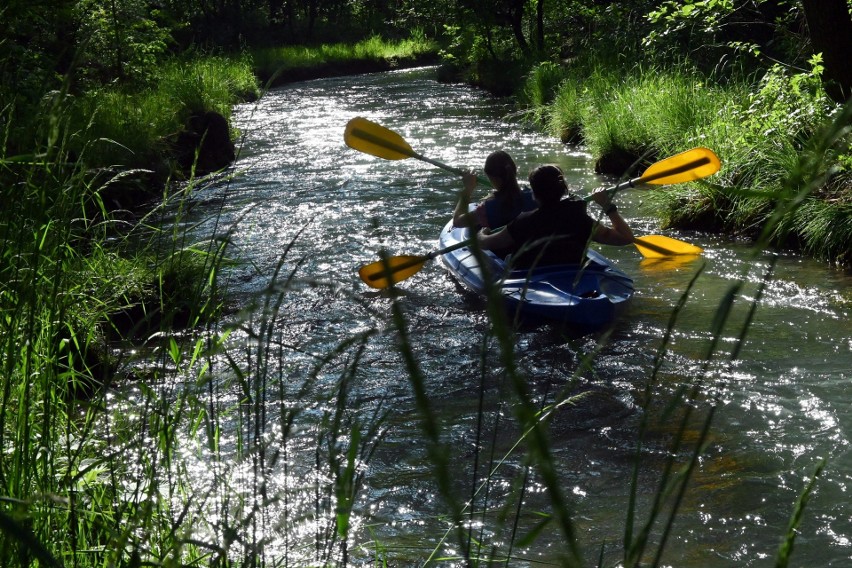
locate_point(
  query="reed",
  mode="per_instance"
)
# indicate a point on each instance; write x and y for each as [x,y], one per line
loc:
[540,88]
[70,276]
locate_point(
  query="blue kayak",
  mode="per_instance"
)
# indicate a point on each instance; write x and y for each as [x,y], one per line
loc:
[587,295]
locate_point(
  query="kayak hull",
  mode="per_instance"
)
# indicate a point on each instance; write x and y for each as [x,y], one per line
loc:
[585,296]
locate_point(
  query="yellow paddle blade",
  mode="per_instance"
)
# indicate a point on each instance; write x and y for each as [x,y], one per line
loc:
[660,246]
[376,140]
[385,273]
[687,166]
[668,263]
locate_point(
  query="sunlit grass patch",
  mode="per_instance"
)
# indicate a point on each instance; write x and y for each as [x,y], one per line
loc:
[121,127]
[275,61]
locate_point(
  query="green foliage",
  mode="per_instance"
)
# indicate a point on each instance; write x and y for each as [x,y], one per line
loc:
[714,30]
[542,85]
[785,105]
[119,40]
[678,15]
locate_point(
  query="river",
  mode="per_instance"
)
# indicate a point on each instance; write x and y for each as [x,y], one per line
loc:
[302,203]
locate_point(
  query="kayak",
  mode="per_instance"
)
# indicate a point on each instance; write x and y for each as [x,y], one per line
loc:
[588,295]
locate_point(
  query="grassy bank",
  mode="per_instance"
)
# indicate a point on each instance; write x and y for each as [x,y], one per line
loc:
[762,129]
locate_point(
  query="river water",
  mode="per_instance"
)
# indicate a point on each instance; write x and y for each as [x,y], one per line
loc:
[302,204]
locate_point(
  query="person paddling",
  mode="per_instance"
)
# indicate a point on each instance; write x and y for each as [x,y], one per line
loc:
[506,202]
[559,231]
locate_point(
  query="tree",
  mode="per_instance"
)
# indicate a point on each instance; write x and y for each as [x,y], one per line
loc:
[539,25]
[830,28]
[117,40]
[500,15]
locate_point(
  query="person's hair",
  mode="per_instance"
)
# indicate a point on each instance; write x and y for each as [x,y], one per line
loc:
[548,183]
[500,165]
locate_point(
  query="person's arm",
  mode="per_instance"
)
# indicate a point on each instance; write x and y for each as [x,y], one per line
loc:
[500,240]
[620,233]
[461,216]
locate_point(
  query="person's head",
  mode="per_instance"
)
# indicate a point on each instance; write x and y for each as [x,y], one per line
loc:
[501,170]
[548,184]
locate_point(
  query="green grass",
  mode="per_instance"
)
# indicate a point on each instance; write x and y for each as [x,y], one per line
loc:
[277,61]
[131,128]
[74,284]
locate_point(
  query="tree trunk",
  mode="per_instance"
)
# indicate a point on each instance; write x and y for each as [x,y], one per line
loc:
[119,43]
[830,28]
[517,23]
[539,20]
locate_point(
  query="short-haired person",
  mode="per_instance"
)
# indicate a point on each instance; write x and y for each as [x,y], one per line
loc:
[506,202]
[559,231]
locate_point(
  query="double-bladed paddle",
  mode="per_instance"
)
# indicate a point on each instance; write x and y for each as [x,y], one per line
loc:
[391,270]
[374,139]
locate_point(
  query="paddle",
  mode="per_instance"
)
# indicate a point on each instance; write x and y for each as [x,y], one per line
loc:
[376,140]
[690,165]
[392,270]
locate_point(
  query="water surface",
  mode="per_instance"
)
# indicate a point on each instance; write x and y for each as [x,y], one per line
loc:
[306,204]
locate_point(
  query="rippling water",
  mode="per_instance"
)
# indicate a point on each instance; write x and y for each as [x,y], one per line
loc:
[305,202]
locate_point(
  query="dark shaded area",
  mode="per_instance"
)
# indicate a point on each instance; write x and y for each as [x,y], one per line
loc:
[205,145]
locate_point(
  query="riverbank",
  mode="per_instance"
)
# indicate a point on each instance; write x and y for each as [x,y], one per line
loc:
[281,65]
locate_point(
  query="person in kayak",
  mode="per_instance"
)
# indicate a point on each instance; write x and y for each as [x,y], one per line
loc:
[559,231]
[506,202]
